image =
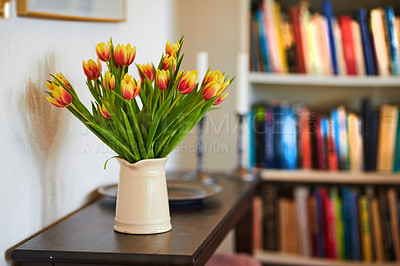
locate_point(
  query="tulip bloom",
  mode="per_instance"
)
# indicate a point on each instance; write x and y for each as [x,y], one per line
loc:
[62,98]
[104,111]
[130,88]
[124,55]
[187,82]
[162,79]
[91,69]
[63,80]
[211,90]
[213,76]
[172,50]
[168,61]
[110,81]
[148,71]
[103,51]
[221,99]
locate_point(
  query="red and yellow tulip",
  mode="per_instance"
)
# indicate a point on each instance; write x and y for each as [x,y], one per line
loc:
[221,98]
[91,69]
[103,51]
[173,49]
[162,79]
[213,76]
[104,111]
[148,71]
[211,90]
[63,80]
[62,98]
[124,55]
[187,82]
[130,87]
[168,61]
[109,80]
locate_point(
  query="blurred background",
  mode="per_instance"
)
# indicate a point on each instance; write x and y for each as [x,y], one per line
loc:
[50,164]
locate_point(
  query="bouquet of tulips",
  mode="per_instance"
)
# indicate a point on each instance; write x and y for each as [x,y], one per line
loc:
[145,118]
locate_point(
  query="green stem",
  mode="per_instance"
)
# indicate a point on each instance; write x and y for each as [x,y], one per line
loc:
[197,105]
[79,112]
[174,102]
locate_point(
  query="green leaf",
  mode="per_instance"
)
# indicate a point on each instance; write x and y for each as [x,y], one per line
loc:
[131,137]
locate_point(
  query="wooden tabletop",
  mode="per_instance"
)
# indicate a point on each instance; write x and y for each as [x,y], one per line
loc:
[87,237]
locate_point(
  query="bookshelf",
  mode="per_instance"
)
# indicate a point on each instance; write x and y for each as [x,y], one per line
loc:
[315,176]
[280,258]
[320,93]
[261,78]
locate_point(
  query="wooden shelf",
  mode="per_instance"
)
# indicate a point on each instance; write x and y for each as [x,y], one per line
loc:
[279,258]
[323,81]
[313,176]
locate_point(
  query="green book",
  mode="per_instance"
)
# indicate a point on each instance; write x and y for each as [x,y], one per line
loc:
[396,162]
[338,223]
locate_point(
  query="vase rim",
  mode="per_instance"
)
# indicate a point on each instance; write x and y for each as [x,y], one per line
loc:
[121,160]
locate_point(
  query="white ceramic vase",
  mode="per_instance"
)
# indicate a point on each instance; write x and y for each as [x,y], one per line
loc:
[142,199]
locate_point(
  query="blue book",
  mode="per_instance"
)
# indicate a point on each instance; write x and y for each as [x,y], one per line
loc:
[278,112]
[269,138]
[263,40]
[391,37]
[336,132]
[327,11]
[252,141]
[355,231]
[346,215]
[362,17]
[320,224]
[289,139]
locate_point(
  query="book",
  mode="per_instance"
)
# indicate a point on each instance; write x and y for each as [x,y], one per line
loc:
[392,40]
[367,46]
[301,194]
[327,11]
[387,137]
[332,159]
[367,132]
[255,45]
[269,138]
[355,143]
[293,229]
[354,220]
[281,50]
[283,224]
[345,24]
[263,40]
[260,132]
[269,195]
[319,207]
[320,144]
[387,237]
[396,162]
[347,228]
[314,38]
[304,16]
[289,43]
[394,220]
[343,139]
[377,226]
[358,51]
[257,223]
[294,13]
[252,141]
[370,194]
[378,34]
[397,29]
[330,224]
[305,138]
[337,203]
[365,229]
[339,49]
[313,223]
[288,138]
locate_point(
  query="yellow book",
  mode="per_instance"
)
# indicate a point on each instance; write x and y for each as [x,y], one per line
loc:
[315,44]
[366,243]
[376,224]
[387,137]
[279,32]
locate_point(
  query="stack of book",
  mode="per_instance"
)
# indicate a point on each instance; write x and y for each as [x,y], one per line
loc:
[322,44]
[343,223]
[292,137]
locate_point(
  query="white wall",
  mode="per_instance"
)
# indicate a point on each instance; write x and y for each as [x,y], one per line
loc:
[49,163]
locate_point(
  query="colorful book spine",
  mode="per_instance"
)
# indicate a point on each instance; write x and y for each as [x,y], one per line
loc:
[263,40]
[396,162]
[320,223]
[288,139]
[294,16]
[392,41]
[345,22]
[378,33]
[269,195]
[387,137]
[367,46]
[365,229]
[327,11]
[301,197]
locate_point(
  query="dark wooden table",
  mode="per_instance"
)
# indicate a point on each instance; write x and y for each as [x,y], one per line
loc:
[88,238]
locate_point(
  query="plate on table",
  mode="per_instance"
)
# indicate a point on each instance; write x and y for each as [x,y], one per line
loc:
[180,193]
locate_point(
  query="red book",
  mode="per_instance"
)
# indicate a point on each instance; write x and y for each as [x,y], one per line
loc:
[330,226]
[305,138]
[313,224]
[294,16]
[320,144]
[333,163]
[348,44]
